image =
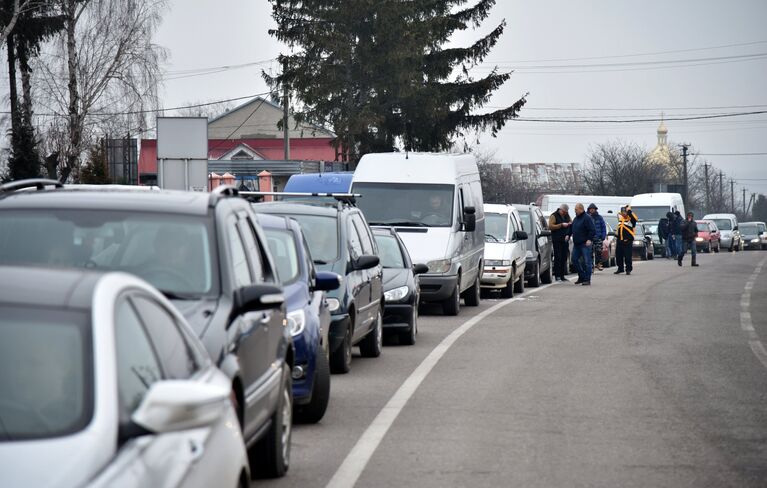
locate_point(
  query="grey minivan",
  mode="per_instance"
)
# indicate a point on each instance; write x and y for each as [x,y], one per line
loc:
[539,247]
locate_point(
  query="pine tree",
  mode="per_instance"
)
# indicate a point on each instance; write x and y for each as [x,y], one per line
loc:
[378,73]
[95,170]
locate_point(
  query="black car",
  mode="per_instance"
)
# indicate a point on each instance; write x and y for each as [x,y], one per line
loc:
[205,252]
[401,286]
[540,250]
[340,241]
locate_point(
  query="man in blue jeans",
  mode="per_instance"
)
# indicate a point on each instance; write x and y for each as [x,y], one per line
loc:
[583,232]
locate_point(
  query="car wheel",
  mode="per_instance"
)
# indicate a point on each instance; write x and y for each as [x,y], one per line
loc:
[546,275]
[651,255]
[452,305]
[471,296]
[519,286]
[407,338]
[644,254]
[372,345]
[341,358]
[717,248]
[270,457]
[313,412]
[508,290]
[535,278]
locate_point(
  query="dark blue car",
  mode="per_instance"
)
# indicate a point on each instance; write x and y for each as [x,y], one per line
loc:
[308,315]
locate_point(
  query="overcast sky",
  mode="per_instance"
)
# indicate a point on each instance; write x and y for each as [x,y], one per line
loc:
[701,45]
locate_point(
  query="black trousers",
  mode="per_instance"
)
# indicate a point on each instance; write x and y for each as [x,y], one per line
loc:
[560,258]
[623,254]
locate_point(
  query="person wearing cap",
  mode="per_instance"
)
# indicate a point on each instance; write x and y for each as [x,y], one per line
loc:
[599,236]
[559,224]
[689,233]
[624,235]
[583,232]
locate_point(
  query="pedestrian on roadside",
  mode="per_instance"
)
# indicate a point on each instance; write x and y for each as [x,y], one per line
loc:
[559,224]
[676,231]
[599,236]
[583,232]
[624,236]
[689,233]
[664,232]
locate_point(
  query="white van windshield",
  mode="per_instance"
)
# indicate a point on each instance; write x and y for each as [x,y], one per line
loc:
[723,224]
[406,204]
[650,213]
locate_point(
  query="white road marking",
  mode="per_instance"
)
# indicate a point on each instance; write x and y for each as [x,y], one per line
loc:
[746,322]
[759,351]
[352,467]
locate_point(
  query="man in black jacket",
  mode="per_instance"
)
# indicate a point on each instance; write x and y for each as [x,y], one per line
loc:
[624,236]
[689,233]
[559,224]
[583,232]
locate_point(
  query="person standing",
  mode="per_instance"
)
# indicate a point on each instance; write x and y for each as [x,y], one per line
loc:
[689,233]
[625,240]
[664,230]
[559,224]
[676,231]
[583,232]
[599,237]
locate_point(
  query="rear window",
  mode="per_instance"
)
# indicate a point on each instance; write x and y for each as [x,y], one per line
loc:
[389,252]
[282,245]
[321,234]
[46,379]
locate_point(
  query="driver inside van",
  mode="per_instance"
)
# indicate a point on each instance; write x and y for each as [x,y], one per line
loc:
[435,211]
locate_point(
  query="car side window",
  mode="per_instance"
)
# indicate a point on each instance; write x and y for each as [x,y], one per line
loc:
[240,266]
[177,359]
[253,249]
[354,240]
[137,364]
[364,234]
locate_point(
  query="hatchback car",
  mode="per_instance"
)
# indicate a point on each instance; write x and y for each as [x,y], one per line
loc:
[643,246]
[401,286]
[539,255]
[340,241]
[307,313]
[103,383]
[206,253]
[753,235]
[709,237]
[505,251]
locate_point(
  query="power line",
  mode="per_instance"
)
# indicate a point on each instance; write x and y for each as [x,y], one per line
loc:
[734,154]
[656,109]
[644,63]
[627,121]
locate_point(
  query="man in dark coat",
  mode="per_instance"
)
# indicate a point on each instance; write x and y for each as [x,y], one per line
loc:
[559,224]
[675,222]
[583,232]
[689,233]
[664,232]
[624,237]
[600,236]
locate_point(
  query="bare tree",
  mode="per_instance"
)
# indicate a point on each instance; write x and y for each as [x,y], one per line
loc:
[207,109]
[10,10]
[620,168]
[100,76]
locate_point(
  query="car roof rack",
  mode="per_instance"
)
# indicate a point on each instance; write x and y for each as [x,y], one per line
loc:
[36,183]
[220,192]
[342,198]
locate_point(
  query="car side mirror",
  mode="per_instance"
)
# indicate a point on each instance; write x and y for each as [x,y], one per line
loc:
[366,261]
[611,234]
[327,281]
[420,269]
[545,233]
[254,298]
[173,405]
[735,228]
[520,235]
[469,219]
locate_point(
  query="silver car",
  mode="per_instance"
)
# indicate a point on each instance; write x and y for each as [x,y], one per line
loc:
[102,384]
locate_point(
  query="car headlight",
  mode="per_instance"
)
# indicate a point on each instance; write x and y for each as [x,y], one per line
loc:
[497,262]
[333,304]
[754,241]
[638,244]
[296,322]
[396,294]
[699,239]
[439,266]
[529,254]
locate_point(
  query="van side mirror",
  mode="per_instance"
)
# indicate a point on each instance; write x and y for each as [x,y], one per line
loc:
[520,235]
[469,219]
[735,228]
[254,298]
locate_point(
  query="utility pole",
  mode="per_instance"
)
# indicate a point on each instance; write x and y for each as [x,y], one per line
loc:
[684,176]
[285,122]
[744,202]
[732,195]
[705,168]
[721,191]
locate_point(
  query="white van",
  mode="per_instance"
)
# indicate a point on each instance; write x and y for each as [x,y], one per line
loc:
[651,207]
[728,229]
[434,201]
[505,250]
[607,204]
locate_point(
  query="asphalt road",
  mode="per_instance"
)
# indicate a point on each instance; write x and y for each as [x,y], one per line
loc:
[654,379]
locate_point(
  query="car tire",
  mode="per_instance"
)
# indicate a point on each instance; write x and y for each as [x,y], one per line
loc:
[372,345]
[471,296]
[535,278]
[717,249]
[452,306]
[508,290]
[651,255]
[270,457]
[643,257]
[313,412]
[546,276]
[341,358]
[519,286]
[407,338]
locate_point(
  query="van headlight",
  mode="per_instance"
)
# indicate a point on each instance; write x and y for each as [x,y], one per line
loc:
[397,294]
[296,322]
[498,262]
[333,304]
[439,266]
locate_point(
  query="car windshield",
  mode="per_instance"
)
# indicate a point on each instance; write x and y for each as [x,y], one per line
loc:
[638,232]
[282,245]
[527,221]
[650,213]
[651,229]
[748,229]
[172,252]
[45,372]
[703,227]
[496,227]
[321,234]
[407,204]
[611,220]
[389,251]
[723,224]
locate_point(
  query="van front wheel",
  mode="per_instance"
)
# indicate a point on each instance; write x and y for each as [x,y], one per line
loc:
[471,296]
[452,305]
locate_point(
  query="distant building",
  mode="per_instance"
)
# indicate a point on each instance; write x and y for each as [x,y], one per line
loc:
[662,154]
[552,176]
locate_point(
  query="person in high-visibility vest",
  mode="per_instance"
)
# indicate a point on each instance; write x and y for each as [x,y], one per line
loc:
[624,236]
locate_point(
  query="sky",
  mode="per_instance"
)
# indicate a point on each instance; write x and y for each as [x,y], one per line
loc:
[577,60]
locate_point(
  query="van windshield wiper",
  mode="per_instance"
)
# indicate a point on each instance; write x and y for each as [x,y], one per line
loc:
[172,295]
[320,262]
[495,239]
[401,223]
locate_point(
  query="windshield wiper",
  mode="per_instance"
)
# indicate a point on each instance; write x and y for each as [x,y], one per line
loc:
[403,223]
[172,295]
[320,262]
[495,239]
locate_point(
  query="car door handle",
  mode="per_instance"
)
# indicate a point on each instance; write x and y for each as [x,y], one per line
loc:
[196,449]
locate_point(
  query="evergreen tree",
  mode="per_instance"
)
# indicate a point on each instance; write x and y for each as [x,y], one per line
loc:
[759,212]
[95,171]
[379,74]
